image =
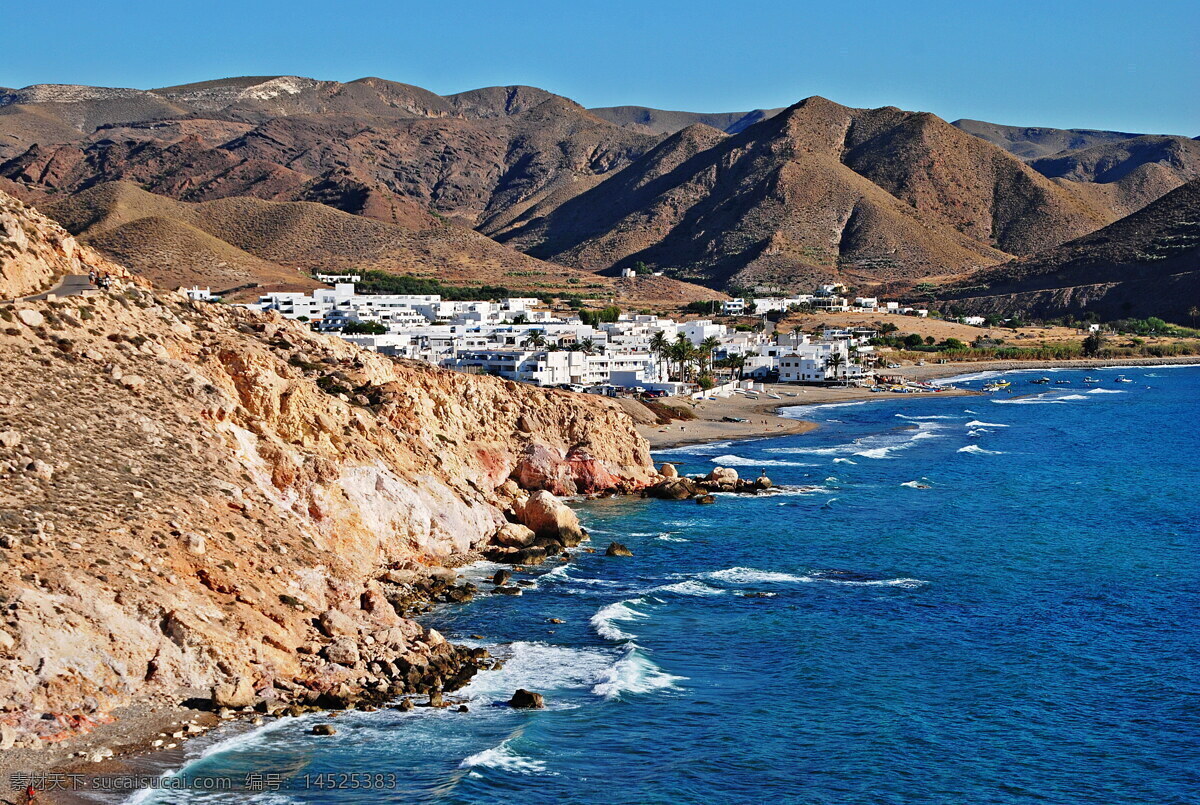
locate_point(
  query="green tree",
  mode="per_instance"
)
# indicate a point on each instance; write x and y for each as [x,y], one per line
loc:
[364,328]
[1093,344]
[707,346]
[835,362]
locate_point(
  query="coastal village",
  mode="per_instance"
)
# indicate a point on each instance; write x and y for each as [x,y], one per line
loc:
[603,352]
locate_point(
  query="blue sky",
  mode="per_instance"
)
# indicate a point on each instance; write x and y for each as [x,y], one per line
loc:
[1097,64]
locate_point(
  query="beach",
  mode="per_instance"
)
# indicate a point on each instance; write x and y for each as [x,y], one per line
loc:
[762,419]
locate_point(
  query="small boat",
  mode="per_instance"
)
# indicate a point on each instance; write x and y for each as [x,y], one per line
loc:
[997,385]
[1041,381]
[774,396]
[1062,382]
[1122,379]
[1090,380]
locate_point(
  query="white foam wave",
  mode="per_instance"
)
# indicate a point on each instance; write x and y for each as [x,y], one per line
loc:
[741,461]
[1073,397]
[690,587]
[749,575]
[924,418]
[708,447]
[605,621]
[671,538]
[504,758]
[844,461]
[877,446]
[915,485]
[807,411]
[975,423]
[1108,391]
[1037,399]
[634,673]
[540,667]
[975,449]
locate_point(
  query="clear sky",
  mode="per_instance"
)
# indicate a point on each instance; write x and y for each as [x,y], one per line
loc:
[1131,66]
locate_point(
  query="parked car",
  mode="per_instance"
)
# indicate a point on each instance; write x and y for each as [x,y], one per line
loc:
[654,394]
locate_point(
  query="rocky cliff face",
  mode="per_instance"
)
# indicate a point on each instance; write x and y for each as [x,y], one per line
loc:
[35,251]
[201,500]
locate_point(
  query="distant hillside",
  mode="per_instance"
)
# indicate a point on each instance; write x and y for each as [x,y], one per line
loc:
[1030,142]
[660,121]
[788,197]
[816,192]
[232,242]
[1147,264]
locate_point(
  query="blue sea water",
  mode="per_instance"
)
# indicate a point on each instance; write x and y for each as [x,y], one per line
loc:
[945,600]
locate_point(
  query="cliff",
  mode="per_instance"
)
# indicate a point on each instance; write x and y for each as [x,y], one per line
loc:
[204,501]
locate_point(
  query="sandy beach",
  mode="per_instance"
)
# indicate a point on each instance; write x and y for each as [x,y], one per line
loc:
[762,419]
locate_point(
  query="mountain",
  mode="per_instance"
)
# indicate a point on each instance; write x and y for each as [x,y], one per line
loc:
[874,196]
[819,191]
[1146,264]
[660,121]
[234,242]
[1029,142]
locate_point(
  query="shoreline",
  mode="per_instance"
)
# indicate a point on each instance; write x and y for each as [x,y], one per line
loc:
[764,420]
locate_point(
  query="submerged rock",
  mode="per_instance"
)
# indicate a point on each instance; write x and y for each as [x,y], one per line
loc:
[617,549]
[324,729]
[673,489]
[705,499]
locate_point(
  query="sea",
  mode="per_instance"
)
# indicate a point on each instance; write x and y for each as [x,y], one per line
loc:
[960,600]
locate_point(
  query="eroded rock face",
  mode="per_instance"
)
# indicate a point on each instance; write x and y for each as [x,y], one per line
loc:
[576,472]
[263,504]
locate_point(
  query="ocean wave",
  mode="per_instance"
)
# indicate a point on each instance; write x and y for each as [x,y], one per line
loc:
[504,758]
[844,461]
[604,622]
[925,418]
[975,432]
[975,423]
[538,666]
[881,445]
[807,411]
[1073,397]
[701,449]
[690,587]
[1037,399]
[634,673]
[741,461]
[749,575]
[915,485]
[667,537]
[975,449]
[1108,391]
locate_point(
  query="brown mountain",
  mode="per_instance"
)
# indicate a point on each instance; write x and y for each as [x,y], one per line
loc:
[234,242]
[1146,264]
[1030,142]
[661,121]
[818,191]
[815,191]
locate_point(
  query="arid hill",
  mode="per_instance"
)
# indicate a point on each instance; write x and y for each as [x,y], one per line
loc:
[234,242]
[816,192]
[661,121]
[201,502]
[1031,142]
[1147,264]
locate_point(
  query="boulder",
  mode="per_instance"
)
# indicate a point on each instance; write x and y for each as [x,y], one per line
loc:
[515,535]
[722,477]
[196,545]
[342,651]
[10,439]
[41,469]
[668,471]
[527,700]
[501,577]
[235,693]
[673,489]
[334,622]
[762,482]
[547,516]
[617,549]
[31,318]
[705,499]
[324,729]
[507,590]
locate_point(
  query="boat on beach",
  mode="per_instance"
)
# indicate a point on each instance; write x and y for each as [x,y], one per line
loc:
[997,385]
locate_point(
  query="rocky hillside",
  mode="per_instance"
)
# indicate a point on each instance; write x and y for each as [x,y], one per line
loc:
[816,192]
[200,501]
[1147,264]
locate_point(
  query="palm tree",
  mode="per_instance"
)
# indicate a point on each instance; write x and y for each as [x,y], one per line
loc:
[587,346]
[835,362]
[707,346]
[682,352]
[659,344]
[797,331]
[535,339]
